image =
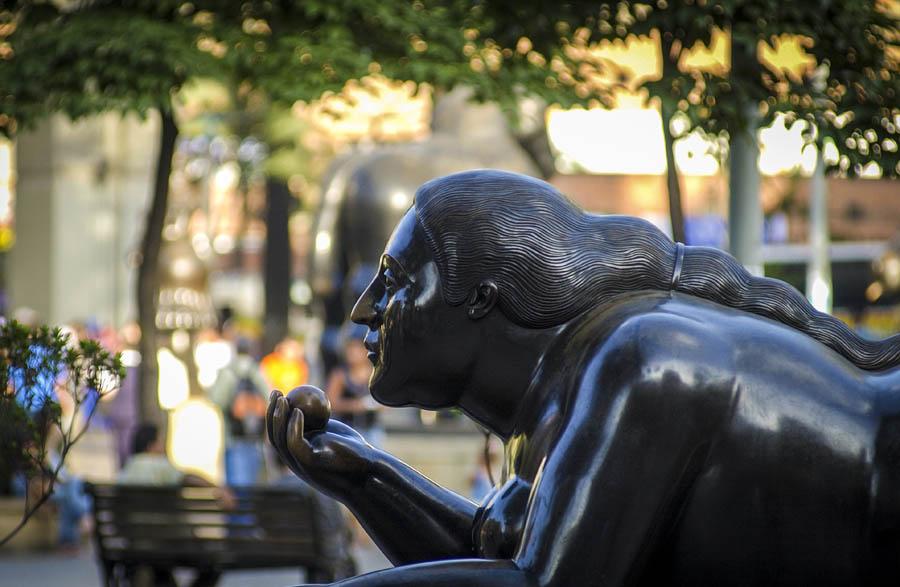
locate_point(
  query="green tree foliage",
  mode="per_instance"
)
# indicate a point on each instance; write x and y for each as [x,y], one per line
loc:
[849,96]
[83,58]
[36,367]
[851,92]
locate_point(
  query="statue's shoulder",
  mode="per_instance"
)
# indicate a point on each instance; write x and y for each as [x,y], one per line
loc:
[628,317]
[646,328]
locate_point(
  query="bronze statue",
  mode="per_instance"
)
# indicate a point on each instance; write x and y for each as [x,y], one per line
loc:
[668,418]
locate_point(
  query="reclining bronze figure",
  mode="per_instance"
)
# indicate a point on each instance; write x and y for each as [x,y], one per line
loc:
[668,419]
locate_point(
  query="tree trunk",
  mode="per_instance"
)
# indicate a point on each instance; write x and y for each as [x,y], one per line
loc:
[745,215]
[148,271]
[673,184]
[277,271]
[667,111]
[536,145]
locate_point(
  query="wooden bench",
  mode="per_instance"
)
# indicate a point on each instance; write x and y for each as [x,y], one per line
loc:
[186,527]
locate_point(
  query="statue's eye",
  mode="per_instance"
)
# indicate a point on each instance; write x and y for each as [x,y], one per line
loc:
[390,283]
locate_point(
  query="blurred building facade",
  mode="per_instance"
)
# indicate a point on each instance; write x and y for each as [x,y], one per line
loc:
[81,194]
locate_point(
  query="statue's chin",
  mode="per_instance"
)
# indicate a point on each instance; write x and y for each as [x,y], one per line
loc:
[391,402]
[403,389]
[381,387]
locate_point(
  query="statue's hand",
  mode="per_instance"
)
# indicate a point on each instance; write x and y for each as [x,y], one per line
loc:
[335,458]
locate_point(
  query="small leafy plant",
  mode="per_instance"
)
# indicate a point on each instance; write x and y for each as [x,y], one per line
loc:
[40,368]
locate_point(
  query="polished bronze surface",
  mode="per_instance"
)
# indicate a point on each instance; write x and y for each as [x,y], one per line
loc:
[668,418]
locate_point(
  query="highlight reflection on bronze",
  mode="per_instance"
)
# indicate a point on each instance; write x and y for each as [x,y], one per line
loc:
[697,428]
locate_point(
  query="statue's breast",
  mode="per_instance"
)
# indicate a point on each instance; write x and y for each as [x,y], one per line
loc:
[499,524]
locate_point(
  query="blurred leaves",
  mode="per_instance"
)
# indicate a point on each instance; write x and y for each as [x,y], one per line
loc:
[84,57]
[130,56]
[847,93]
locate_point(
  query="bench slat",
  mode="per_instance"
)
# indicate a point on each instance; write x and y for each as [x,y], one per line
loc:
[284,534]
[204,519]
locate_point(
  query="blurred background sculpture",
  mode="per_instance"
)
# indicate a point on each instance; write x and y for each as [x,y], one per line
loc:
[668,418]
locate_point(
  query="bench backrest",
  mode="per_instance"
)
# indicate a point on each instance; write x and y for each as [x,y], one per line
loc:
[186,526]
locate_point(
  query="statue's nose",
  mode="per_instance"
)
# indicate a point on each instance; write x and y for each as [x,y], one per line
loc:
[366,310]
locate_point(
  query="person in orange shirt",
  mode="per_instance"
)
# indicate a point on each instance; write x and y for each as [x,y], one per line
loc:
[285,367]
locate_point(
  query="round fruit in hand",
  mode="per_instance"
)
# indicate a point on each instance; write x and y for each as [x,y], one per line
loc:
[314,404]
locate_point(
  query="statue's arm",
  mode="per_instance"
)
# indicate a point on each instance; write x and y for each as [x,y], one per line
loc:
[411,518]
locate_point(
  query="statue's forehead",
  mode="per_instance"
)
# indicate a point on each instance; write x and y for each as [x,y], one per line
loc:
[404,246]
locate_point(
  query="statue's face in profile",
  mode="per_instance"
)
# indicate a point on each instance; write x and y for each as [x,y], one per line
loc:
[416,341]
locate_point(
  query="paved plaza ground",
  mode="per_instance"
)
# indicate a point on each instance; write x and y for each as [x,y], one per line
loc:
[62,570]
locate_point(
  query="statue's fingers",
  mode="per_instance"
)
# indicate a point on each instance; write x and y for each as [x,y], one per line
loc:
[270,415]
[299,448]
[280,424]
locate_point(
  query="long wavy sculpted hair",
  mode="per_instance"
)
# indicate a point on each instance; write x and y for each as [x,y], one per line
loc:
[551,261]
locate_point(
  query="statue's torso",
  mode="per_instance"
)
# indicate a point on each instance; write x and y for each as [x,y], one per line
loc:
[785,490]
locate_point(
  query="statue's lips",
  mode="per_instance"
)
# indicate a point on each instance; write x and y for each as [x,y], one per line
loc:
[372,346]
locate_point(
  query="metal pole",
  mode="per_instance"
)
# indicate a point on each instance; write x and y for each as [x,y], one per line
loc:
[818,270]
[745,217]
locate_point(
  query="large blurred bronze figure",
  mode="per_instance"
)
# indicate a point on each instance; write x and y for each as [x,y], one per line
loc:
[669,419]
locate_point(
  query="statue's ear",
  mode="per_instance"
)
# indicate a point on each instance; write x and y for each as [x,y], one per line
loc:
[482,299]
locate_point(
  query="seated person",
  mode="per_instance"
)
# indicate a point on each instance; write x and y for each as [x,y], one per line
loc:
[149,465]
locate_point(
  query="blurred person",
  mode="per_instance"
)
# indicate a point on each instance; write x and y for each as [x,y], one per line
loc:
[122,409]
[68,501]
[149,465]
[348,388]
[351,401]
[68,498]
[241,393]
[285,367]
[72,503]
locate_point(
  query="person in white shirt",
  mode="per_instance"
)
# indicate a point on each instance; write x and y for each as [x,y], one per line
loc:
[149,464]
